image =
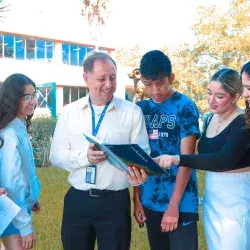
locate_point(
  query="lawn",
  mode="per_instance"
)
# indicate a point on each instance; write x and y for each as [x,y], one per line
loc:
[47,224]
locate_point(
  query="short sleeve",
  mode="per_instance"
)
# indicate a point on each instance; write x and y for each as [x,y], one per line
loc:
[189,121]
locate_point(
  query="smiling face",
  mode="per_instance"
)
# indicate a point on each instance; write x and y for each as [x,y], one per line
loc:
[246,86]
[219,100]
[101,81]
[27,102]
[159,90]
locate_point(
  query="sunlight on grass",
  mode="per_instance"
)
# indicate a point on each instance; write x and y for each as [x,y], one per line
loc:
[48,223]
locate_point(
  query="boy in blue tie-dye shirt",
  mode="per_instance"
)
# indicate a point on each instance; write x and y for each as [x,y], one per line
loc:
[168,204]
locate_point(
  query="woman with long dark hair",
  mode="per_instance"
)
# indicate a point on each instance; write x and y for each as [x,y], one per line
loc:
[224,152]
[17,168]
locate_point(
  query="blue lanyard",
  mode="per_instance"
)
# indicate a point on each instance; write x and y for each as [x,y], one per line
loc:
[95,129]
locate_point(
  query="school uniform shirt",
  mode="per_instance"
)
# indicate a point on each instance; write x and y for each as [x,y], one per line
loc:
[18,174]
[123,123]
[167,124]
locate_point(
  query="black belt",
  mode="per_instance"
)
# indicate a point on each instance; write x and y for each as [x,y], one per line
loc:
[98,193]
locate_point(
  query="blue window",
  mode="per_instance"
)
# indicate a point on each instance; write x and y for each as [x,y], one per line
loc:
[66,95]
[82,92]
[74,54]
[8,46]
[74,94]
[19,51]
[40,50]
[30,48]
[65,53]
[82,54]
[49,49]
[89,49]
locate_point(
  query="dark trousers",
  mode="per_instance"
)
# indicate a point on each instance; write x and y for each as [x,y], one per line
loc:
[183,238]
[105,218]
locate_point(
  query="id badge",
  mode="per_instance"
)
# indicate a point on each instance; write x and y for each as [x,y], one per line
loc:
[91,174]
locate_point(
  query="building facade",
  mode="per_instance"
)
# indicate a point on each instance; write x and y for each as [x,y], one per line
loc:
[50,49]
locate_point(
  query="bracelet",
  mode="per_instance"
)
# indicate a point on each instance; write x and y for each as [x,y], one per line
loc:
[136,185]
[177,160]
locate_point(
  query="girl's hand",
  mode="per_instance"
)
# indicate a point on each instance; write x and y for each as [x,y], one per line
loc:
[3,191]
[166,161]
[36,208]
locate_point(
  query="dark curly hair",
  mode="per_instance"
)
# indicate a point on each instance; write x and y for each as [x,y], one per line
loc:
[10,92]
[246,69]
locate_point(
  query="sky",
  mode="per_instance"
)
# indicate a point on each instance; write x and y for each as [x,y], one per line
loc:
[151,24]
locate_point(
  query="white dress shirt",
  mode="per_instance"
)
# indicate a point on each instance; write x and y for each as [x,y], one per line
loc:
[123,123]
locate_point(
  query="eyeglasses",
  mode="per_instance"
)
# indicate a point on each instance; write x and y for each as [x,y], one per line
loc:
[28,98]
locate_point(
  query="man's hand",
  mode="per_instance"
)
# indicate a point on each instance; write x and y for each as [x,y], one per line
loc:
[3,191]
[36,208]
[28,241]
[139,212]
[136,177]
[166,161]
[95,156]
[170,218]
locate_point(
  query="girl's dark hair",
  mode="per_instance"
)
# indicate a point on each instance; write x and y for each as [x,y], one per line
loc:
[11,91]
[246,69]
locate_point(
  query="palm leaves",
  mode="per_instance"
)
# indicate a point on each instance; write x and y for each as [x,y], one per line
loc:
[3,8]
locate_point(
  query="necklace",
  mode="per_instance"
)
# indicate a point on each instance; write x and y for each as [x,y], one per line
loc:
[221,121]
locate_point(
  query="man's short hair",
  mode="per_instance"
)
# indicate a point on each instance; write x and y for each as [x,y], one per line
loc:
[95,55]
[154,65]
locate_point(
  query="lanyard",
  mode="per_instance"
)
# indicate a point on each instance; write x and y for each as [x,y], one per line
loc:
[95,129]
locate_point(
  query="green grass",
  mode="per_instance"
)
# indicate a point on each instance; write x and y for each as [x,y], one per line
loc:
[48,222]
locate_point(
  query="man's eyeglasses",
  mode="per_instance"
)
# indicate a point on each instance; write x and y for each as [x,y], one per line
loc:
[28,98]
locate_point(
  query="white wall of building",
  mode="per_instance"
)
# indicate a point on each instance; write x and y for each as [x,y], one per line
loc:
[52,20]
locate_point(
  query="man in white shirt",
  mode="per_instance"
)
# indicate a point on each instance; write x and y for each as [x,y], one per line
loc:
[98,204]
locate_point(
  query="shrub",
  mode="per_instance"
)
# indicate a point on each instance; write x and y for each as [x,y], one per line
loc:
[41,137]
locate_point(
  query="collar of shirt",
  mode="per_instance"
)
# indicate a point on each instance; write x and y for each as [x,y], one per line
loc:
[18,123]
[84,103]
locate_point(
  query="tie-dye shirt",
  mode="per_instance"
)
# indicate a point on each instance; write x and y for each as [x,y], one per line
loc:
[167,124]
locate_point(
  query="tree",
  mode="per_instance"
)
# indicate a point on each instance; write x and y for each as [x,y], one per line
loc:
[3,9]
[96,12]
[129,56]
[189,75]
[223,40]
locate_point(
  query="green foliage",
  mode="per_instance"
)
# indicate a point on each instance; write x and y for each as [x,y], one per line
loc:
[42,131]
[223,38]
[129,56]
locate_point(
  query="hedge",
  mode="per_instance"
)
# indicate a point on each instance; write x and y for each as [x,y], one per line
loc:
[42,130]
